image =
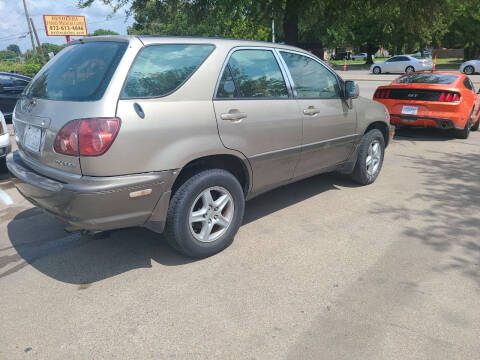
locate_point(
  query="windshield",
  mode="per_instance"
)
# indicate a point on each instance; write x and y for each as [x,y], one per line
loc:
[80,72]
[425,78]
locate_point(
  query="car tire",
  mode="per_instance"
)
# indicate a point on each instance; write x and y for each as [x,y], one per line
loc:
[377,70]
[469,70]
[3,165]
[217,226]
[371,146]
[476,125]
[409,69]
[465,132]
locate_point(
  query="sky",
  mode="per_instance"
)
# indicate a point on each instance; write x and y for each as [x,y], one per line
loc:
[13,24]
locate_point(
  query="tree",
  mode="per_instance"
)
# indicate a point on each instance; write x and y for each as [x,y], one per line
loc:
[100,32]
[463,31]
[54,48]
[7,55]
[15,48]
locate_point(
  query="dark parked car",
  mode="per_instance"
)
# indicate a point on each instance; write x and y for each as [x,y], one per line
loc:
[11,86]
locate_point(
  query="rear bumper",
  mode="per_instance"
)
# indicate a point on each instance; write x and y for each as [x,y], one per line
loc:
[425,121]
[92,203]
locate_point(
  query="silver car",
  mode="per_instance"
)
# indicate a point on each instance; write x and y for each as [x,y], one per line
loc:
[470,67]
[174,133]
[402,64]
[5,145]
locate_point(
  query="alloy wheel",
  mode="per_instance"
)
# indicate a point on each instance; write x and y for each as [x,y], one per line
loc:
[211,214]
[374,157]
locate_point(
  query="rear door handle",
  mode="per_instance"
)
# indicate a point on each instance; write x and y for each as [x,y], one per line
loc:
[233,115]
[311,111]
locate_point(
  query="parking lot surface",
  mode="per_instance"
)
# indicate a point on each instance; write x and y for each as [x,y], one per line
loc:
[320,269]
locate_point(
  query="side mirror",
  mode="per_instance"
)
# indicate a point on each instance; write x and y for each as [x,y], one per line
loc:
[351,90]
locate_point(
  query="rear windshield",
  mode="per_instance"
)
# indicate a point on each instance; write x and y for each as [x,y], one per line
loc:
[80,72]
[426,78]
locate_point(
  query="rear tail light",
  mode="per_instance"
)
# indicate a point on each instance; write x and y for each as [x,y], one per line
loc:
[449,97]
[87,137]
[382,94]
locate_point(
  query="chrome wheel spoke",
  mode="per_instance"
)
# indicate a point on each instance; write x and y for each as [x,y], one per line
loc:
[221,202]
[369,161]
[207,198]
[222,221]
[206,231]
[198,216]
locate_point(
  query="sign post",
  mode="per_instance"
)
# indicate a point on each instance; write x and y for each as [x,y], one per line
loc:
[65,25]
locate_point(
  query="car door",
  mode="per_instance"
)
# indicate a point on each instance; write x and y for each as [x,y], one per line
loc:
[402,64]
[257,115]
[328,123]
[390,64]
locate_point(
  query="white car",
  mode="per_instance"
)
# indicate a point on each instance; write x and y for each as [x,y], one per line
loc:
[402,64]
[470,67]
[5,145]
[361,56]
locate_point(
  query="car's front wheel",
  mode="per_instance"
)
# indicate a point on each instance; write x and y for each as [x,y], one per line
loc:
[377,70]
[205,213]
[409,69]
[370,158]
[469,70]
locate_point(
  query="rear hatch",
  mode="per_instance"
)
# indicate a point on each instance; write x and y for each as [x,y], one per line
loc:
[71,86]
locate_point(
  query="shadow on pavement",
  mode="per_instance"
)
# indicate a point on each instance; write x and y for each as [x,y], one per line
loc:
[39,239]
[452,189]
[423,134]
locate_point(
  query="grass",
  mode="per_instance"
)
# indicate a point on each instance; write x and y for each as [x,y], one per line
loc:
[442,64]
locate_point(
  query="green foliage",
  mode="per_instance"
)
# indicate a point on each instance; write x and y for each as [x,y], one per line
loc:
[48,47]
[7,55]
[28,69]
[100,32]
[15,48]
[400,26]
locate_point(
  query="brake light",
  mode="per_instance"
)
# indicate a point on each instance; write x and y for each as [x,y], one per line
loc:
[87,137]
[382,94]
[449,97]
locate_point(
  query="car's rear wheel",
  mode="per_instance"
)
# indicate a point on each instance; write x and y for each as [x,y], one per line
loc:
[370,158]
[205,213]
[469,70]
[476,125]
[377,70]
[465,132]
[409,69]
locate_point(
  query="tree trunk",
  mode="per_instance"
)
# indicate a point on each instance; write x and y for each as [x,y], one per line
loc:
[290,23]
[370,51]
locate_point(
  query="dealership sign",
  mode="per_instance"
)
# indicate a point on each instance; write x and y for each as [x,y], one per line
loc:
[65,25]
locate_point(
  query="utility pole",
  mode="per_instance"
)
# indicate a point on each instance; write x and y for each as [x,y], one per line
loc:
[36,37]
[28,24]
[273,30]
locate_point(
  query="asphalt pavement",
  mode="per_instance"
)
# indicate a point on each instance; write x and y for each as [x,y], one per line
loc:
[320,269]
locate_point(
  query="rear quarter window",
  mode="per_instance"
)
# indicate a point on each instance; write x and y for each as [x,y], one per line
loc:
[159,70]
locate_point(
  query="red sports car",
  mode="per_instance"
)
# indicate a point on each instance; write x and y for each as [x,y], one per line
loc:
[432,99]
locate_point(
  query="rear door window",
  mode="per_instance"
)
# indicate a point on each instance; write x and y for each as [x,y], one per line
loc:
[311,79]
[159,70]
[252,73]
[80,72]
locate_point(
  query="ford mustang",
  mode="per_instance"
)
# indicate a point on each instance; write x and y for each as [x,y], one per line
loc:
[442,100]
